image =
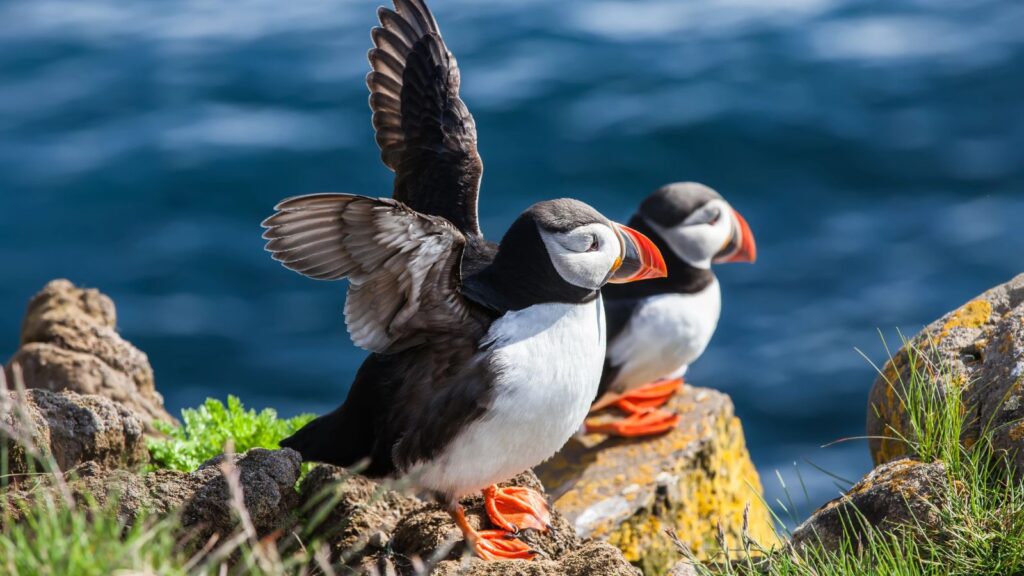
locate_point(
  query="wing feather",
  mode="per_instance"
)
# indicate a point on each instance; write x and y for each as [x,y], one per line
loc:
[402,266]
[425,132]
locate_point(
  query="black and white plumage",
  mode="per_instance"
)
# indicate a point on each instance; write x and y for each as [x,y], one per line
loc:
[657,329]
[484,358]
[463,391]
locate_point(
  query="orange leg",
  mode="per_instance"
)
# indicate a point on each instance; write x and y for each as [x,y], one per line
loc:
[514,508]
[490,544]
[641,404]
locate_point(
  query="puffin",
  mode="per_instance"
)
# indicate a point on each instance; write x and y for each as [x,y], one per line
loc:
[484,358]
[657,329]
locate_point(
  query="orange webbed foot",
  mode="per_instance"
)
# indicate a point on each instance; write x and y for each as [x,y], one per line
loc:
[645,419]
[500,545]
[514,508]
[644,423]
[491,544]
[648,396]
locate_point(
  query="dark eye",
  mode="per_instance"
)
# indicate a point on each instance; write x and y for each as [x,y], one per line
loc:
[714,218]
[594,244]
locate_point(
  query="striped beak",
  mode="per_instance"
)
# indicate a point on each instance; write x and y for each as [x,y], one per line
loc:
[640,259]
[741,246]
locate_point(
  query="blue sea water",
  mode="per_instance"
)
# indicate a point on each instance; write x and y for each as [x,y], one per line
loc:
[877,149]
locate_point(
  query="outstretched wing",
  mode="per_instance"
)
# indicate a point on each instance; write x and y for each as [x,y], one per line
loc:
[425,132]
[402,266]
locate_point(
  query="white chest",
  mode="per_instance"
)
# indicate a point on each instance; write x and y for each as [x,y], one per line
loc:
[664,336]
[548,360]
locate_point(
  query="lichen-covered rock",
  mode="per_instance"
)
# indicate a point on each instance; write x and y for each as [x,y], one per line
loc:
[71,429]
[903,493]
[691,480]
[203,498]
[69,341]
[978,348]
[384,532]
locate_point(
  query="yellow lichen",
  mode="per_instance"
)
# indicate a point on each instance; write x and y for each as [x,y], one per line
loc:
[710,480]
[712,495]
[974,314]
[1016,432]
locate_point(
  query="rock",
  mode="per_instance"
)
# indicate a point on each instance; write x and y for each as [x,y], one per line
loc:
[591,558]
[903,493]
[267,480]
[690,480]
[361,513]
[683,568]
[69,342]
[383,532]
[158,493]
[980,347]
[71,428]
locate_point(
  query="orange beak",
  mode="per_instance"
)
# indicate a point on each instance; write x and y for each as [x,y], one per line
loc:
[640,259]
[741,248]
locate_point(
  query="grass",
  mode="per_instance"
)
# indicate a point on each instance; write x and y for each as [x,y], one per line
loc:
[55,538]
[982,521]
[58,537]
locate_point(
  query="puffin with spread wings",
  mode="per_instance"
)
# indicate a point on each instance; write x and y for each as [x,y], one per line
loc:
[484,358]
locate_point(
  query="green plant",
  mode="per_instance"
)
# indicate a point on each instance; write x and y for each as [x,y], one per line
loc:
[56,537]
[205,430]
[44,534]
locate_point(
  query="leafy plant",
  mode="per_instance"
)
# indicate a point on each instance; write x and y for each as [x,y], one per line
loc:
[205,430]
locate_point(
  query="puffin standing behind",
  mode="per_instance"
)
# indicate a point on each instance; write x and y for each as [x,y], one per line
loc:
[658,328]
[484,358]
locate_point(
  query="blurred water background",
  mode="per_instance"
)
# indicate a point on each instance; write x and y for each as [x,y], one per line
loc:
[877,149]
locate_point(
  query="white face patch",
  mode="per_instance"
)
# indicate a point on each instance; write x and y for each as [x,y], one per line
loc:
[701,235]
[583,256]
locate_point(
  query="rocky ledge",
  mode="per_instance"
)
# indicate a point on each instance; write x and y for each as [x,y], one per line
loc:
[82,400]
[89,401]
[695,480]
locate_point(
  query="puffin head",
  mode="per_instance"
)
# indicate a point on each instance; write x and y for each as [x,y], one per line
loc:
[697,225]
[565,251]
